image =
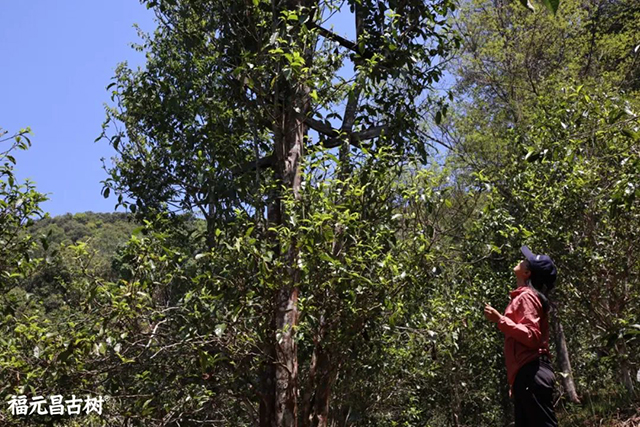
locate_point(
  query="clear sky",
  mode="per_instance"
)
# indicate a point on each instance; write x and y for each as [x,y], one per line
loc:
[56,58]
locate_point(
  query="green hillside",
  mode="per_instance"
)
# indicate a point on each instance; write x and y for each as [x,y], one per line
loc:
[103,232]
[351,248]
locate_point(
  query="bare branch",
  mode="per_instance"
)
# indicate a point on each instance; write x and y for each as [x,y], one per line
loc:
[355,138]
[262,163]
[321,127]
[335,37]
[372,132]
[350,110]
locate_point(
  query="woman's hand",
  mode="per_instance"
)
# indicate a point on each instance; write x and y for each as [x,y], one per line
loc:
[491,313]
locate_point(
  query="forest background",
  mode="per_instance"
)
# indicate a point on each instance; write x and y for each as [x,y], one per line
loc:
[314,223]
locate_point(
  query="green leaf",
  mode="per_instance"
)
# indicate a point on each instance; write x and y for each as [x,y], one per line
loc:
[552,5]
[136,231]
[630,134]
[101,348]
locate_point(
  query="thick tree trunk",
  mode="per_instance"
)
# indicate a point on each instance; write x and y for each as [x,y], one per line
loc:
[316,405]
[565,372]
[286,357]
[289,132]
[322,375]
[326,375]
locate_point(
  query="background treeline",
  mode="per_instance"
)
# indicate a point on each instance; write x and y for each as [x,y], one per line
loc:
[314,223]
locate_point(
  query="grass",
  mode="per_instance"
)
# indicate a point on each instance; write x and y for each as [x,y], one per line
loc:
[600,409]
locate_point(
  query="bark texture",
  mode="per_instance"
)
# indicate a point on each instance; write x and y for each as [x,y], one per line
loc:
[566,374]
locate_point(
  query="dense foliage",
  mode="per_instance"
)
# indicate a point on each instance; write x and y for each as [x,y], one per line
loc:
[306,245]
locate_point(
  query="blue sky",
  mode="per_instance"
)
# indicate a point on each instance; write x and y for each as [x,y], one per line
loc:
[56,59]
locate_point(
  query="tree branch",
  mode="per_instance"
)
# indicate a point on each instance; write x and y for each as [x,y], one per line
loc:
[355,138]
[372,132]
[335,37]
[350,109]
[341,40]
[321,127]
[265,162]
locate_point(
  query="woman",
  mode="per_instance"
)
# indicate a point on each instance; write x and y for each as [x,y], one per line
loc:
[526,346]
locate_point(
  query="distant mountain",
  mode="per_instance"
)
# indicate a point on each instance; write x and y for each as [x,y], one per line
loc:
[103,232]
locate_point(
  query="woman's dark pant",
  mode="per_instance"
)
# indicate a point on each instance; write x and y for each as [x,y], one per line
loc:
[532,395]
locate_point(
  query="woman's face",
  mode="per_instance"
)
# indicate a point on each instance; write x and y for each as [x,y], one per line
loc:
[522,270]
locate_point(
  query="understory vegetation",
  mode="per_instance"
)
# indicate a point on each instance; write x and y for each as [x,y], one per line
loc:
[314,222]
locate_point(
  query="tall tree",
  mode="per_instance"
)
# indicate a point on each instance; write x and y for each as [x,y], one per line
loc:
[232,88]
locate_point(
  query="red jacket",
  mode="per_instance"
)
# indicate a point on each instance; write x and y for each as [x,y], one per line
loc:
[526,330]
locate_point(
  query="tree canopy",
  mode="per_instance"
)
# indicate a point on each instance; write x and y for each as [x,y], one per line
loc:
[314,223]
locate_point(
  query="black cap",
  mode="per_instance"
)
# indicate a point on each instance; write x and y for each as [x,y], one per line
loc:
[543,270]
